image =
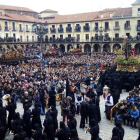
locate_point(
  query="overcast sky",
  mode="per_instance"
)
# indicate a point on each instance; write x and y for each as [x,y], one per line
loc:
[69,6]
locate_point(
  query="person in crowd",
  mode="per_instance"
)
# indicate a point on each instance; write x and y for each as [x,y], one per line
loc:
[108,105]
[65,108]
[94,129]
[79,99]
[134,116]
[121,130]
[26,121]
[115,134]
[52,99]
[2,131]
[36,134]
[72,123]
[21,135]
[11,107]
[63,132]
[54,113]
[74,135]
[36,116]
[48,124]
[92,112]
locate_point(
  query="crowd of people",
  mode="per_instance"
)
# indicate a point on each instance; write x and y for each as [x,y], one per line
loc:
[79,82]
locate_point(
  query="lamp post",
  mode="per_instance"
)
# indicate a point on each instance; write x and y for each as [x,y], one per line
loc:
[100,37]
[41,29]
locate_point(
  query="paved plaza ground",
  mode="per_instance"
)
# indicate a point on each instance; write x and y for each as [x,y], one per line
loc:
[105,126]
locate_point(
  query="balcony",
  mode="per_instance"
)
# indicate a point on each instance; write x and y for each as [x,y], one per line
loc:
[14,29]
[127,27]
[6,29]
[106,28]
[117,28]
[117,39]
[77,28]
[95,29]
[27,30]
[86,28]
[138,27]
[68,29]
[20,30]
[53,30]
[60,30]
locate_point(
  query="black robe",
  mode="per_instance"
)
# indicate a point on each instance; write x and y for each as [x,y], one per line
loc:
[92,111]
[36,117]
[11,108]
[54,114]
[63,134]
[27,123]
[48,124]
[72,124]
[97,103]
[52,99]
[94,131]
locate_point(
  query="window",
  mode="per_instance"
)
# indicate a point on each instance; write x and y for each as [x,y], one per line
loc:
[32,28]
[101,15]
[138,11]
[20,27]
[69,35]
[116,35]
[61,36]
[6,35]
[20,38]
[127,34]
[13,26]
[53,26]
[111,15]
[27,28]
[14,35]
[78,37]
[77,25]
[87,24]
[128,23]
[6,25]
[0,13]
[53,36]
[116,23]
[69,25]
[32,38]
[106,25]
[27,38]
[60,25]
[87,36]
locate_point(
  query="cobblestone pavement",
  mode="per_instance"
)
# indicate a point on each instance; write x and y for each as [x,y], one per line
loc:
[105,126]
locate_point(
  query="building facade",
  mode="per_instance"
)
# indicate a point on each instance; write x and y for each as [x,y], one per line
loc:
[66,31]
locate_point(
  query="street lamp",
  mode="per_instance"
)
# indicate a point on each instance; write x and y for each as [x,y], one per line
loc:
[100,36]
[41,29]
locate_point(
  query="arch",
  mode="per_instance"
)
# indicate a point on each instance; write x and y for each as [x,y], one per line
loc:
[96,48]
[87,48]
[62,48]
[116,46]
[54,45]
[137,48]
[78,45]
[106,48]
[69,46]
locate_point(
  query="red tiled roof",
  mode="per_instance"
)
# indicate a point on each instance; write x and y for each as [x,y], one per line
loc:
[8,7]
[89,16]
[19,17]
[123,11]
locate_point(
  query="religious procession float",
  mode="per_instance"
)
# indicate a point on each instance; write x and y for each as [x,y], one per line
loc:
[51,51]
[126,60]
[75,50]
[10,54]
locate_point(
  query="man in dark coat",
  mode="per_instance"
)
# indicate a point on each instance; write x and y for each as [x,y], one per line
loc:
[115,94]
[36,116]
[132,82]
[99,89]
[54,112]
[48,124]
[72,123]
[63,133]
[52,99]
[26,120]
[3,116]
[92,111]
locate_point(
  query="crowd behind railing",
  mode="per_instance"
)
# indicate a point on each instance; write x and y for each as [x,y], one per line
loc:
[76,39]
